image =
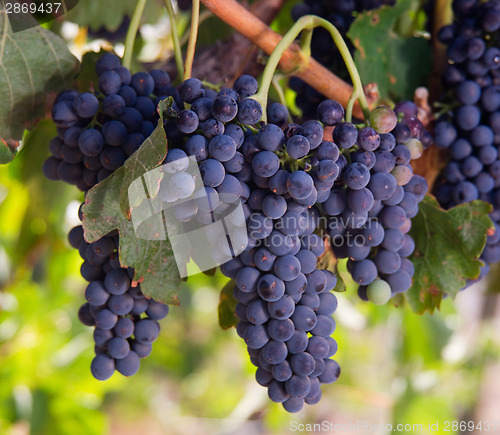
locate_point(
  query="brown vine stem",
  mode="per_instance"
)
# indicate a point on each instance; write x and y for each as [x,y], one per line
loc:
[434,159]
[266,10]
[293,61]
[443,15]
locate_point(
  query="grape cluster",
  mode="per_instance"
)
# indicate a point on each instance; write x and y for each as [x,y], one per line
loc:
[97,131]
[288,181]
[214,131]
[341,14]
[126,322]
[371,205]
[285,304]
[284,301]
[292,183]
[470,130]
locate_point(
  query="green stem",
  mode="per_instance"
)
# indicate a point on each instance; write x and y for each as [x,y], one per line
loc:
[175,37]
[279,91]
[132,32]
[309,22]
[248,127]
[358,93]
[305,42]
[205,15]
[349,107]
[272,63]
[193,35]
[209,85]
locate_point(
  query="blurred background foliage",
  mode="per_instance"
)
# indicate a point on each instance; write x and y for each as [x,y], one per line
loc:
[397,367]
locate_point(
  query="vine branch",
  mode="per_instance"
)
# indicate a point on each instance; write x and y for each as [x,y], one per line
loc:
[443,15]
[293,60]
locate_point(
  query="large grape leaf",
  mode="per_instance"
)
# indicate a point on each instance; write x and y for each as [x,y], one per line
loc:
[448,244]
[398,64]
[33,64]
[110,14]
[107,208]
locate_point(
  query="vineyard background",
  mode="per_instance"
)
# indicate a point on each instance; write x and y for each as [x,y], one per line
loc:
[397,367]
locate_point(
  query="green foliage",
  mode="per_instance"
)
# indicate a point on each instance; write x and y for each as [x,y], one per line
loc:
[398,64]
[447,249]
[494,279]
[283,21]
[199,374]
[35,63]
[45,351]
[48,199]
[87,77]
[7,154]
[212,30]
[98,14]
[227,306]
[107,208]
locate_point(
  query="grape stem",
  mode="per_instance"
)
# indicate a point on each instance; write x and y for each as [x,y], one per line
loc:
[132,32]
[175,38]
[292,60]
[308,23]
[281,94]
[193,35]
[205,15]
[305,42]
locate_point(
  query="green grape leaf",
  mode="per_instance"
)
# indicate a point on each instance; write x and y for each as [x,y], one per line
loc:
[398,64]
[34,65]
[110,15]
[227,307]
[448,244]
[7,151]
[87,77]
[107,208]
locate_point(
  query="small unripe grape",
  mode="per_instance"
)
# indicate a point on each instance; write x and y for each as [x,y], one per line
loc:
[383,119]
[378,292]
[416,148]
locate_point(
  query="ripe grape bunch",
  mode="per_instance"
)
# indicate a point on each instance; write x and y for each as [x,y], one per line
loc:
[370,211]
[294,185]
[279,264]
[122,334]
[470,130]
[96,133]
[284,302]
